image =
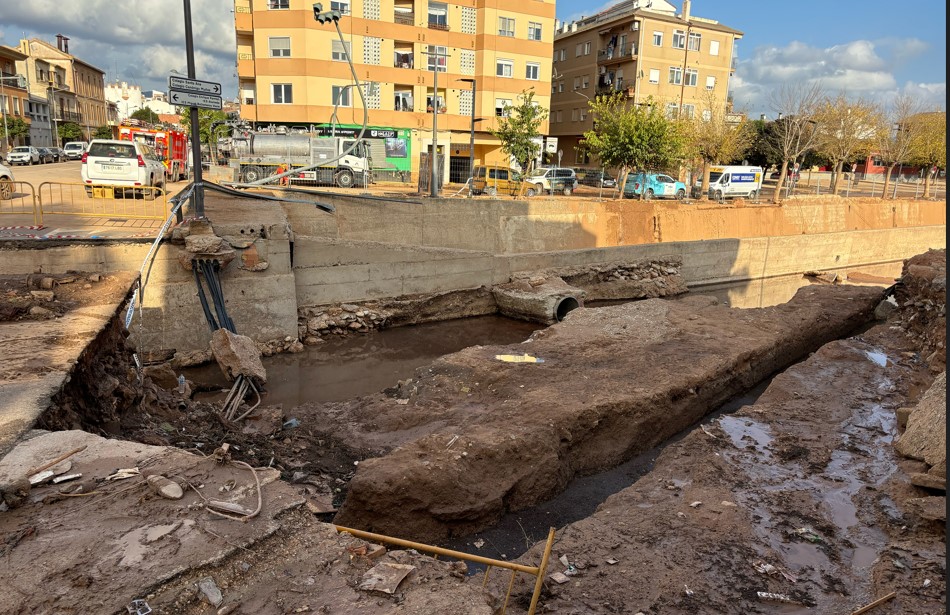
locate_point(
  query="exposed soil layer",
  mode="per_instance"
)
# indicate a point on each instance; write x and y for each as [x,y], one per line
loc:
[800,495]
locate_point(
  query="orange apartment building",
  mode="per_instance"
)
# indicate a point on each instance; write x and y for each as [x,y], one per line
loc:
[645,49]
[292,70]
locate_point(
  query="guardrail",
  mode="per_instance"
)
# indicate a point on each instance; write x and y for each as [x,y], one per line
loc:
[101,200]
[19,198]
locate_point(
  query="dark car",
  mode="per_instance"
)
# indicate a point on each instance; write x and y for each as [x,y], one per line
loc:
[58,154]
[792,175]
[46,155]
[596,178]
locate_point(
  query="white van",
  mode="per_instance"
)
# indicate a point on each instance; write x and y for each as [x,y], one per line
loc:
[731,181]
[74,149]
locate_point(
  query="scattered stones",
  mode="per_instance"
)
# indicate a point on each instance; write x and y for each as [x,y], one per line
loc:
[210,591]
[165,487]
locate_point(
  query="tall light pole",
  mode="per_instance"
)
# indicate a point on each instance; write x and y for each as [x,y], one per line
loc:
[433,186]
[471,145]
[3,111]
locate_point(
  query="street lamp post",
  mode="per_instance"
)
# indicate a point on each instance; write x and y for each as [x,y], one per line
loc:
[433,184]
[3,111]
[471,145]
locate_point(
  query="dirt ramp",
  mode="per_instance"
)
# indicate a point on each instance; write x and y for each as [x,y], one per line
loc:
[476,435]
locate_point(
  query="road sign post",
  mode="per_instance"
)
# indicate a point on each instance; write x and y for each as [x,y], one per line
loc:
[193,99]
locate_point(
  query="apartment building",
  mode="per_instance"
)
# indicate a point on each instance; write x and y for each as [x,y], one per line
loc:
[643,49]
[74,88]
[480,54]
[14,96]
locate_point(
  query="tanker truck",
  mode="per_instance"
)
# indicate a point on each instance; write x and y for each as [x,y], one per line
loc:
[262,154]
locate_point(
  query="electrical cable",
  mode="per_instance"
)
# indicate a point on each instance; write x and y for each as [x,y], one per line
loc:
[201,297]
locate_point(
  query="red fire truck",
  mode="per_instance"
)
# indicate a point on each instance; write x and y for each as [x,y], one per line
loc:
[170,145]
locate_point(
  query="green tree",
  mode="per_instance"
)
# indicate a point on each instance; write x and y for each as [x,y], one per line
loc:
[844,132]
[69,131]
[211,127]
[103,132]
[146,115]
[518,130]
[13,128]
[715,138]
[633,136]
[929,146]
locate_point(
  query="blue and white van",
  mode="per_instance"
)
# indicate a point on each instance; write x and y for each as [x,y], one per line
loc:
[731,181]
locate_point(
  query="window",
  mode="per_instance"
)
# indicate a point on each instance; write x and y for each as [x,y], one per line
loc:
[553,88]
[707,115]
[503,68]
[578,50]
[574,114]
[560,86]
[563,55]
[583,114]
[689,111]
[439,15]
[710,83]
[506,26]
[672,110]
[654,75]
[534,31]
[502,107]
[714,48]
[560,117]
[437,57]
[339,51]
[692,76]
[695,41]
[676,75]
[404,100]
[340,5]
[657,39]
[585,82]
[532,71]
[278,4]
[279,46]
[679,39]
[341,96]
[577,83]
[587,48]
[440,100]
[282,93]
[555,55]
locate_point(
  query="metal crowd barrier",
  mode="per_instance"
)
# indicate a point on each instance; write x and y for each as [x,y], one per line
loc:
[19,198]
[100,200]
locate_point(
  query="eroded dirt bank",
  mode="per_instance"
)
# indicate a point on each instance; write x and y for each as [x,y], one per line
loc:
[474,436]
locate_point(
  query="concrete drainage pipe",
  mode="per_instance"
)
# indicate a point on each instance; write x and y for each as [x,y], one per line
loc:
[565,305]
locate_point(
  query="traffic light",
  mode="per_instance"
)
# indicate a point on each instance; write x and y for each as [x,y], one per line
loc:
[324,17]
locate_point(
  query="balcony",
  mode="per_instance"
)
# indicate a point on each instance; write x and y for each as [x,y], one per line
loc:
[404,18]
[616,56]
[68,116]
[403,56]
[438,25]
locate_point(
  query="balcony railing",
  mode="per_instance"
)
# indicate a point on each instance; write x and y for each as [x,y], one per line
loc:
[434,25]
[406,19]
[607,56]
[69,116]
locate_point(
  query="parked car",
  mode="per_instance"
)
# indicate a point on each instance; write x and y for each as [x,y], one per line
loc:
[6,183]
[46,155]
[596,178]
[123,165]
[75,149]
[544,180]
[23,154]
[656,185]
[58,153]
[791,175]
[493,180]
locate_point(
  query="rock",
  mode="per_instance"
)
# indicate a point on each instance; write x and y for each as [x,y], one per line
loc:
[933,508]
[203,244]
[165,487]
[43,295]
[162,375]
[15,492]
[40,311]
[928,481]
[237,355]
[318,323]
[902,415]
[210,591]
[47,283]
[94,277]
[926,434]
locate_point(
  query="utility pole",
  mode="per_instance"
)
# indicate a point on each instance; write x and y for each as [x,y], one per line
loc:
[199,197]
[471,145]
[434,158]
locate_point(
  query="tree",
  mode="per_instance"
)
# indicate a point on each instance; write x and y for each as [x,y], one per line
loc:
[103,132]
[796,130]
[894,135]
[715,139]
[146,115]
[631,136]
[13,128]
[845,128]
[518,130]
[211,127]
[929,145]
[69,131]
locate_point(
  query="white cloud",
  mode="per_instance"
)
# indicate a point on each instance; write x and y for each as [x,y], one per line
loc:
[139,45]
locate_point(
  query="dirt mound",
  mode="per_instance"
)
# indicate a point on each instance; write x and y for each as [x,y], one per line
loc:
[922,301]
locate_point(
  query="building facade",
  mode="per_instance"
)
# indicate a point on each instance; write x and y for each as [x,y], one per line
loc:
[75,89]
[482,53]
[14,98]
[645,50]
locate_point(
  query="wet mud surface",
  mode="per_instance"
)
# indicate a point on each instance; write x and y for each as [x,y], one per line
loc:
[799,495]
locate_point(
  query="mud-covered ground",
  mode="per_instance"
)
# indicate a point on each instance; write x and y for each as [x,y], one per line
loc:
[800,496]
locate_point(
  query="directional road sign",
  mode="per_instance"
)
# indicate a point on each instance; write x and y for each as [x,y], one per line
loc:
[191,99]
[194,85]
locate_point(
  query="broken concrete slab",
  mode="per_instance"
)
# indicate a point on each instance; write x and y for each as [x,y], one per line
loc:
[926,434]
[545,300]
[237,355]
[109,546]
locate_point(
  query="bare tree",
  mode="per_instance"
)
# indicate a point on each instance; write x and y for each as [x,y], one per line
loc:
[797,129]
[846,128]
[714,139]
[894,136]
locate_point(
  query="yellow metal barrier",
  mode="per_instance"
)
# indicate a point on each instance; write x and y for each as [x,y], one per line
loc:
[100,200]
[19,198]
[535,571]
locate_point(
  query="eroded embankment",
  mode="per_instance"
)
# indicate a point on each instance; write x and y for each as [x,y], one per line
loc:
[474,436]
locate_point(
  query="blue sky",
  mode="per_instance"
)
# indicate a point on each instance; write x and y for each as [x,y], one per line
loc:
[871,49]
